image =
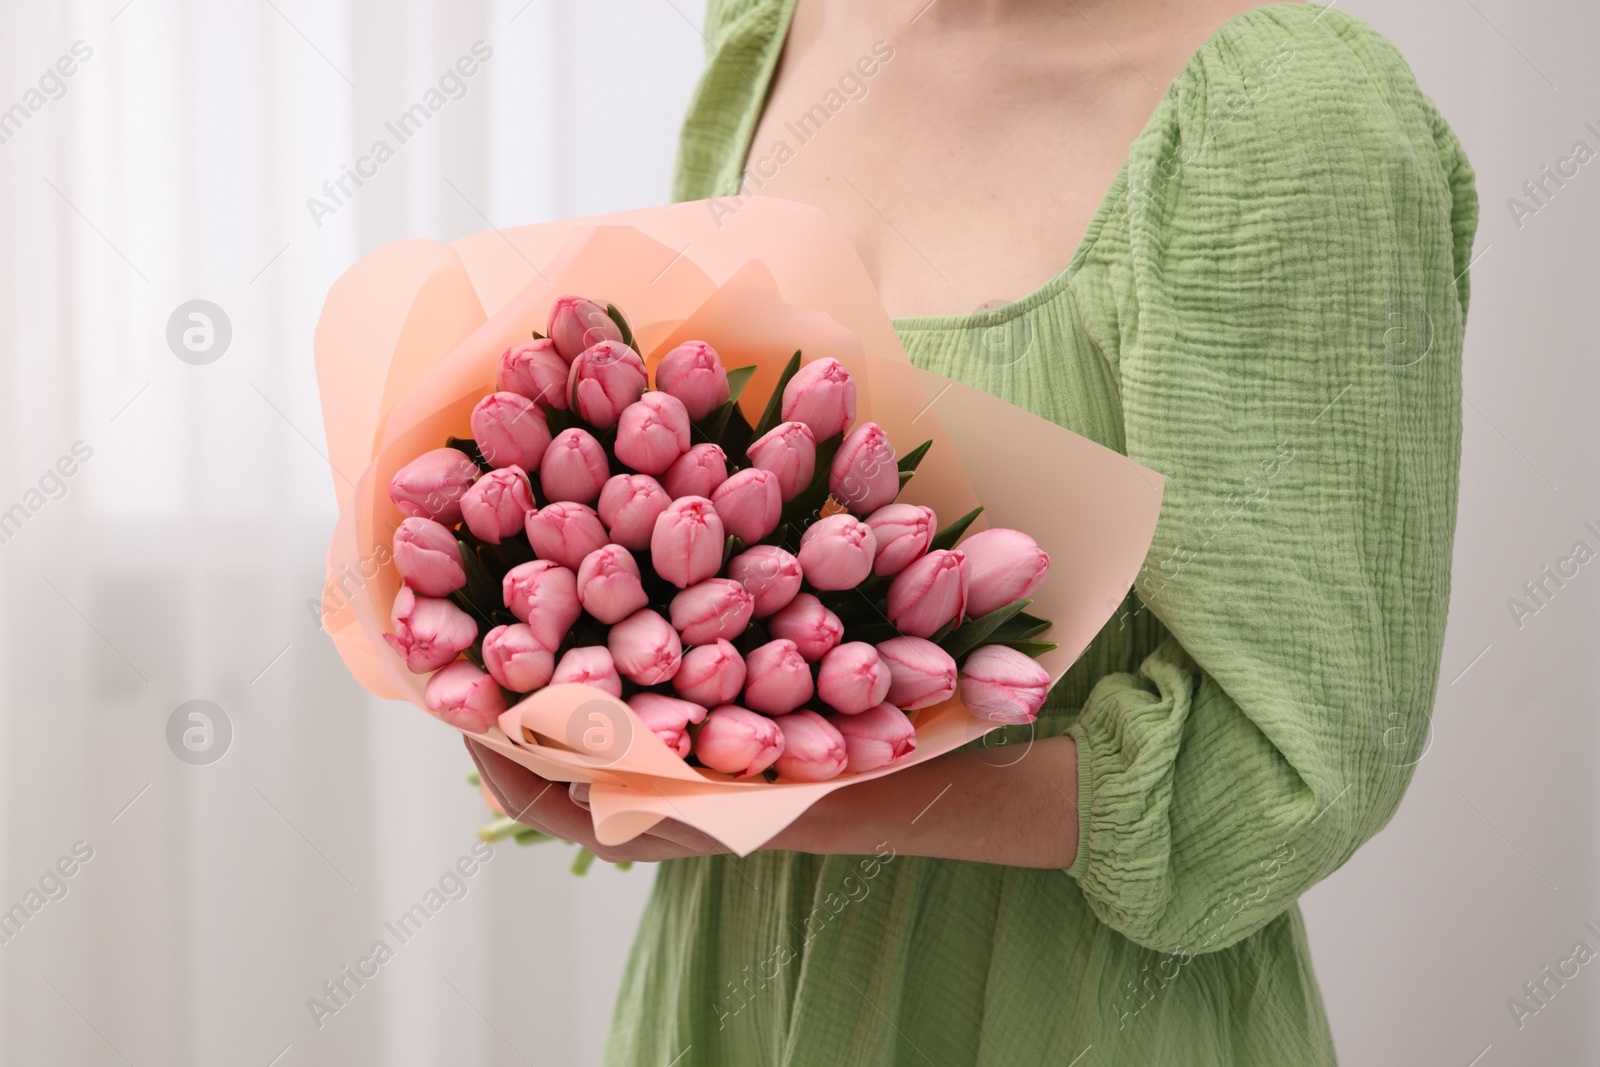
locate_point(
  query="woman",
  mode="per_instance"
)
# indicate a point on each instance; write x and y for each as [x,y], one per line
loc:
[1267,307]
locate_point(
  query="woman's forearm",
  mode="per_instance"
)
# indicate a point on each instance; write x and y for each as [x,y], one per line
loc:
[1016,806]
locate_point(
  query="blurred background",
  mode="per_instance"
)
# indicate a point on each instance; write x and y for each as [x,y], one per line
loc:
[164,514]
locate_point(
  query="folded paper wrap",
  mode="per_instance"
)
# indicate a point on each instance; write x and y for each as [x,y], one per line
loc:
[408,342]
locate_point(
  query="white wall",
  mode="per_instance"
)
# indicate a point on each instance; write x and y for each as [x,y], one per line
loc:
[177,565]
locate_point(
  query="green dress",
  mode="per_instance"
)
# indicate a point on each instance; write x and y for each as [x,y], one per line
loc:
[1268,309]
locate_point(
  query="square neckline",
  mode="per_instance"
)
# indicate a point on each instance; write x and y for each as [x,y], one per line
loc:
[1112,198]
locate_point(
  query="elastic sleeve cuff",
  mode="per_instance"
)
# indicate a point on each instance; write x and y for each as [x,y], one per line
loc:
[1080,738]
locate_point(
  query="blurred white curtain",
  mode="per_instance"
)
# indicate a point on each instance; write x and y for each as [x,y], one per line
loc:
[176,562]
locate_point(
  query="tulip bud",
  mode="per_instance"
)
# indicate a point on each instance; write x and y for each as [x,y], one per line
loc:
[717,608]
[813,628]
[603,380]
[737,741]
[697,472]
[770,574]
[668,718]
[608,584]
[921,673]
[629,505]
[574,467]
[822,396]
[564,533]
[903,533]
[464,697]
[543,594]
[517,659]
[510,431]
[686,544]
[852,678]
[790,451]
[645,648]
[1005,566]
[576,323]
[497,505]
[864,476]
[749,504]
[777,678]
[876,738]
[428,632]
[813,750]
[929,593]
[589,665]
[652,433]
[1003,685]
[836,552]
[535,371]
[693,373]
[428,558]
[433,484]
[710,674]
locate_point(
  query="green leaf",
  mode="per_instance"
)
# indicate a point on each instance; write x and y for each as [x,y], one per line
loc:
[943,632]
[1032,649]
[738,378]
[622,324]
[730,548]
[470,447]
[537,336]
[806,506]
[947,537]
[774,409]
[581,862]
[909,461]
[871,632]
[977,631]
[482,594]
[1019,628]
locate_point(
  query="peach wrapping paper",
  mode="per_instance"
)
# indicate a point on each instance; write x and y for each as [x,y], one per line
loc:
[408,342]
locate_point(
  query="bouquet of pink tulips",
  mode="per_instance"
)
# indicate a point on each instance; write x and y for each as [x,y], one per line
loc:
[754,593]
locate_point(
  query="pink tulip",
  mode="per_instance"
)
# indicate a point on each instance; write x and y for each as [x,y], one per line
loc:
[510,431]
[864,476]
[428,632]
[697,472]
[535,371]
[604,380]
[852,678]
[771,574]
[517,659]
[608,584]
[1003,685]
[813,750]
[668,718]
[790,451]
[629,505]
[464,697]
[777,678]
[903,533]
[686,544]
[929,593]
[876,738]
[714,609]
[1005,566]
[433,484]
[576,323]
[813,628]
[497,505]
[836,552]
[921,673]
[574,467]
[428,557]
[565,533]
[710,674]
[822,396]
[543,594]
[589,665]
[737,741]
[652,433]
[749,504]
[693,373]
[645,648]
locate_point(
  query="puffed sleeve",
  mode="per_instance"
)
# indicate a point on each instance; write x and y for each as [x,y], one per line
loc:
[1299,222]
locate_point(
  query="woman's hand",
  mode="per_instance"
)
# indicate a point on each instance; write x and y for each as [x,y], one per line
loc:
[968,805]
